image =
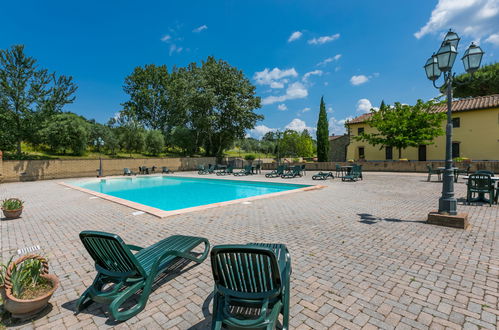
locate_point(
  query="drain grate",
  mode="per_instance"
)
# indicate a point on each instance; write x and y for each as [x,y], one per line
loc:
[28,249]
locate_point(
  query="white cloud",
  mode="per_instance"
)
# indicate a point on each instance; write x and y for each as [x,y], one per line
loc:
[493,39]
[299,125]
[359,80]
[329,60]
[330,110]
[472,18]
[295,36]
[306,109]
[175,49]
[324,39]
[294,91]
[364,106]
[282,107]
[274,77]
[166,38]
[337,127]
[260,130]
[200,28]
[311,73]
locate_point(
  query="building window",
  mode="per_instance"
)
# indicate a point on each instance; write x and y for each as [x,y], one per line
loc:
[388,153]
[456,122]
[360,130]
[361,153]
[455,149]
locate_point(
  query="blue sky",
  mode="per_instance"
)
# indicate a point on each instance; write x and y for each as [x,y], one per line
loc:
[354,53]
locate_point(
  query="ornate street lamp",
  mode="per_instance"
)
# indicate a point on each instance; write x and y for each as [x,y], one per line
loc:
[442,62]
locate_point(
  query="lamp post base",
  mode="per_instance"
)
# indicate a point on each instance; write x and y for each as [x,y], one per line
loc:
[459,220]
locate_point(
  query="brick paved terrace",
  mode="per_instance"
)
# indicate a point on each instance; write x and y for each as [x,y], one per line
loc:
[362,255]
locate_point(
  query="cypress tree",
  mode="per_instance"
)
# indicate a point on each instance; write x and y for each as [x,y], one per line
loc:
[322,134]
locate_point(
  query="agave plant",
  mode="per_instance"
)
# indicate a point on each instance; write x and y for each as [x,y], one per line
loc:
[12,204]
[24,275]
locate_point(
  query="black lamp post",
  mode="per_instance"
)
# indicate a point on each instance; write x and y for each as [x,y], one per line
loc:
[442,62]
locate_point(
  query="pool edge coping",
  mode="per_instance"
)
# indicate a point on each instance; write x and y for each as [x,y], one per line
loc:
[163,214]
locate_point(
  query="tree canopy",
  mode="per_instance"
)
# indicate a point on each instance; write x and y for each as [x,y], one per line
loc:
[403,125]
[214,101]
[485,82]
[29,96]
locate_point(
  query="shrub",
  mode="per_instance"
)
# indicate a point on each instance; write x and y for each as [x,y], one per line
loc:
[67,131]
[155,142]
[250,157]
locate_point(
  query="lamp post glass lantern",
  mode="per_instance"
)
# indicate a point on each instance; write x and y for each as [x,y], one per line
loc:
[442,62]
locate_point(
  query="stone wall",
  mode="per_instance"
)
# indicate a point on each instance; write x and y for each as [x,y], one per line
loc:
[395,166]
[338,148]
[28,170]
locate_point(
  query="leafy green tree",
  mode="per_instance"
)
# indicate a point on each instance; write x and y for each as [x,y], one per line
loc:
[155,99]
[485,82]
[185,139]
[215,101]
[67,131]
[223,105]
[155,142]
[322,134]
[403,126]
[130,133]
[296,144]
[29,95]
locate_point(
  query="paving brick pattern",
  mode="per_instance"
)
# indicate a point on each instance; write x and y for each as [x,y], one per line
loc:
[363,258]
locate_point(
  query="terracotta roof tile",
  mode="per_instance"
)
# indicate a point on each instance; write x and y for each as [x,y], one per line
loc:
[475,103]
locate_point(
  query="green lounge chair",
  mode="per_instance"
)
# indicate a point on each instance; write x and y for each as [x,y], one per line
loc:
[339,170]
[127,171]
[252,278]
[130,273]
[354,174]
[226,171]
[481,184]
[202,170]
[166,170]
[245,171]
[432,171]
[323,176]
[293,172]
[277,172]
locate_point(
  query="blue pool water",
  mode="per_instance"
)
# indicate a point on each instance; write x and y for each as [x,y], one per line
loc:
[174,193]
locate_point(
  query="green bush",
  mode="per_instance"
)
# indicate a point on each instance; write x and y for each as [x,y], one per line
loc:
[67,131]
[250,157]
[155,142]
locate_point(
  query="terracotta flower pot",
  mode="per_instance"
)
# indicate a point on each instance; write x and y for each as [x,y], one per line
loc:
[12,214]
[20,308]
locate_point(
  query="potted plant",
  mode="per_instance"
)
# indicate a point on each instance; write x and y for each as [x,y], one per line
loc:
[28,286]
[12,208]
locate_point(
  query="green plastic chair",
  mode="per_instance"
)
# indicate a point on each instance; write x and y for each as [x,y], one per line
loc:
[202,170]
[250,279]
[127,171]
[225,171]
[116,264]
[480,184]
[323,176]
[277,172]
[245,171]
[166,170]
[432,171]
[354,174]
[293,172]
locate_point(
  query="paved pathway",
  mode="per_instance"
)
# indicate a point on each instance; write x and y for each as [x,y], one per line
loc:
[362,255]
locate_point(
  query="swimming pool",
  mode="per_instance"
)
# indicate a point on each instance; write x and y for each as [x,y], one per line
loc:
[165,194]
